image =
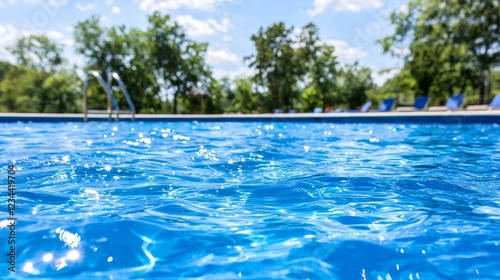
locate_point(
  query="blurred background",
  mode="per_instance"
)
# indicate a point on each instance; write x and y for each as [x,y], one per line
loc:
[247,56]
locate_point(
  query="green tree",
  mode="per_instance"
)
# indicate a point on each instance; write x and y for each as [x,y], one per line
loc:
[245,99]
[213,104]
[62,93]
[28,90]
[40,82]
[354,83]
[495,82]
[278,64]
[321,65]
[122,50]
[38,52]
[311,99]
[323,72]
[178,62]
[450,28]
[17,88]
[403,85]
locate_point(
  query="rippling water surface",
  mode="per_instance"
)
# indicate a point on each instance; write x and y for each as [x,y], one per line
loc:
[253,200]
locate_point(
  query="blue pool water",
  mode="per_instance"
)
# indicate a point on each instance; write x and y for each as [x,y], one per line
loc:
[278,200]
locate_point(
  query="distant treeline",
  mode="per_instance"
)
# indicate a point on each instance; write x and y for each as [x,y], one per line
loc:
[446,49]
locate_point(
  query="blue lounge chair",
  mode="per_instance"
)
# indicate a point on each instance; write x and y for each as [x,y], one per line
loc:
[363,109]
[318,110]
[494,105]
[454,103]
[278,111]
[293,111]
[420,104]
[386,105]
[366,107]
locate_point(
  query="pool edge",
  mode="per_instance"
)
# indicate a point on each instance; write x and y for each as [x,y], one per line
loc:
[390,117]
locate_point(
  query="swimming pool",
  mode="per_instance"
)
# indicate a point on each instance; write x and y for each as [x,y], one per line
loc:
[253,200]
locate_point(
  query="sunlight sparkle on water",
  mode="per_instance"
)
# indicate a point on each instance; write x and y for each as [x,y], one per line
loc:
[47,257]
[28,267]
[268,206]
[73,255]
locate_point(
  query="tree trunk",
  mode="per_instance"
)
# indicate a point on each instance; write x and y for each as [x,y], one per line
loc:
[484,87]
[60,107]
[202,105]
[43,104]
[425,86]
[323,105]
[175,103]
[276,97]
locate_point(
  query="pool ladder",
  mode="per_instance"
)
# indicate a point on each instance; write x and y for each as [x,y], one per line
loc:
[113,108]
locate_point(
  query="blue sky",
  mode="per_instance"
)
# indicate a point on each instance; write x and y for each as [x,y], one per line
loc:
[352,26]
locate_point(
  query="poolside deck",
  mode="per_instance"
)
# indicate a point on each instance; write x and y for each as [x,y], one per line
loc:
[374,117]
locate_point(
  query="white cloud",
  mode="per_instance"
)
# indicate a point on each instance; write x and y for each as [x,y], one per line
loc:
[321,6]
[50,7]
[49,2]
[172,5]
[222,27]
[84,7]
[401,52]
[241,72]
[54,35]
[195,27]
[116,10]
[9,35]
[221,57]
[67,42]
[344,52]
[13,2]
[380,78]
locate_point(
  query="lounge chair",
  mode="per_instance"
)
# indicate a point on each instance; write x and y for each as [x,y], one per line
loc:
[386,105]
[318,110]
[293,111]
[494,105]
[363,109]
[454,103]
[420,104]
[278,111]
[366,107]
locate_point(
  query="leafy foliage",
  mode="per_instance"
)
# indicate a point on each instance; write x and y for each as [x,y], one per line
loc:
[122,50]
[455,44]
[38,52]
[354,84]
[178,63]
[446,49]
[40,82]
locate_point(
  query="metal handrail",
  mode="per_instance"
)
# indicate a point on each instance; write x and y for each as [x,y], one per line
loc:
[114,76]
[109,94]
